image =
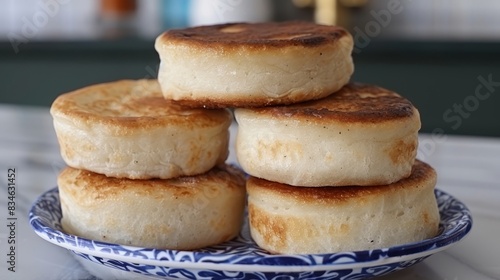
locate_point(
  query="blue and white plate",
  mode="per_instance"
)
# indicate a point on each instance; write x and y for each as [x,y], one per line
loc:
[242,259]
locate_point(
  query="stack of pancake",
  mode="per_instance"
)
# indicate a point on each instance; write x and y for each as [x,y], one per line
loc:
[331,164]
[144,171]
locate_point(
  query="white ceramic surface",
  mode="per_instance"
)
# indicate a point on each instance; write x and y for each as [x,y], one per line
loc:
[468,168]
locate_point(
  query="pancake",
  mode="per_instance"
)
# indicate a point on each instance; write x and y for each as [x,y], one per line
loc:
[253,64]
[127,129]
[361,135]
[163,214]
[296,220]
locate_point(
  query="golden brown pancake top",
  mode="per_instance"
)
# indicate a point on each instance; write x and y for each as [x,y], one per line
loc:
[421,173]
[131,104]
[256,35]
[84,182]
[353,103]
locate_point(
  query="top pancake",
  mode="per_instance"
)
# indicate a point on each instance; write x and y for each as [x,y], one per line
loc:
[354,103]
[257,36]
[253,64]
[131,104]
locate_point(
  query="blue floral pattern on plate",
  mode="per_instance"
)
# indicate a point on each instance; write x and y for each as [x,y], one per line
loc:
[241,258]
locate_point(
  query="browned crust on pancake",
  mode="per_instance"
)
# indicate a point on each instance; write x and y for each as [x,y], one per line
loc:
[82,183]
[245,102]
[256,36]
[421,173]
[353,103]
[401,151]
[132,104]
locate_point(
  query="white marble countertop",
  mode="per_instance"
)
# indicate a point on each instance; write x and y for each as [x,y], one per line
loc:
[468,168]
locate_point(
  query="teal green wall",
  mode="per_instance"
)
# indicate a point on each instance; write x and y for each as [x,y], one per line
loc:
[434,76]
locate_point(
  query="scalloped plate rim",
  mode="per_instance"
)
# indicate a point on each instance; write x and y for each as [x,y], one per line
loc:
[457,233]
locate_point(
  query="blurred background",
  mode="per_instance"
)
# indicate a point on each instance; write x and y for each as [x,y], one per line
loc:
[443,55]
